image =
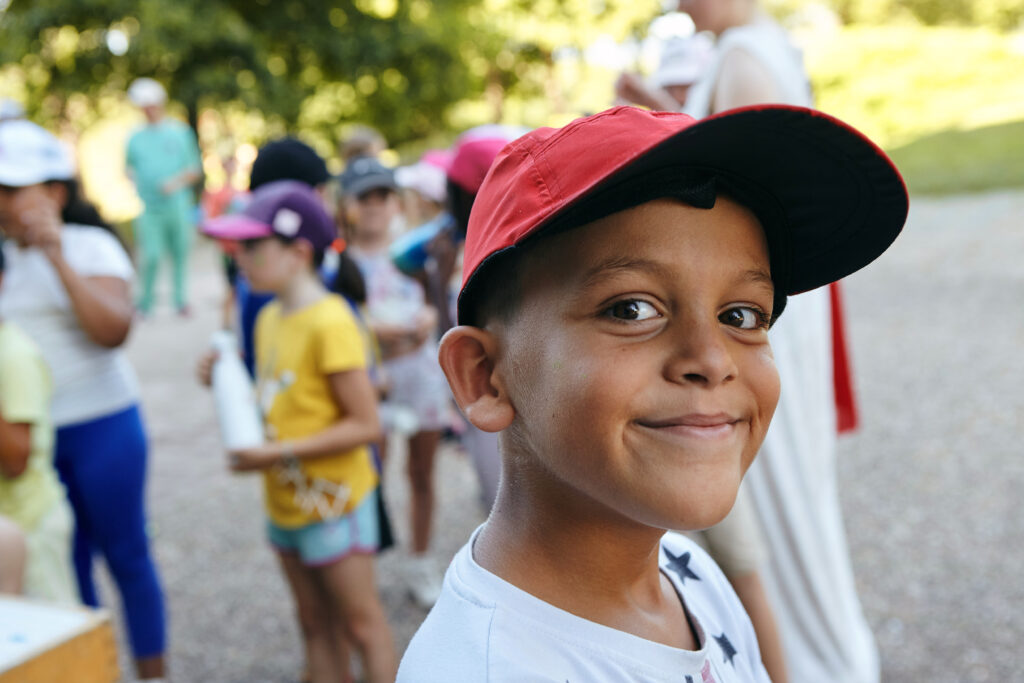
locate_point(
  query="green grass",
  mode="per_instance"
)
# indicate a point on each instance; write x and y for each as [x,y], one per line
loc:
[953,161]
[944,101]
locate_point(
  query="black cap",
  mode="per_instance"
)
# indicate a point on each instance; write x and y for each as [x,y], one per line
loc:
[287,159]
[364,174]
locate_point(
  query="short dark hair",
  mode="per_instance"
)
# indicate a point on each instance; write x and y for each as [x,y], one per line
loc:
[496,291]
[287,159]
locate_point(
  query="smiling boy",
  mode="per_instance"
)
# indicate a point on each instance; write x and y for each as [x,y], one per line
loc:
[621,276]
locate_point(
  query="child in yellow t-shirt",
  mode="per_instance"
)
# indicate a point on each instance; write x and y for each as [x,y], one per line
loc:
[320,410]
[31,496]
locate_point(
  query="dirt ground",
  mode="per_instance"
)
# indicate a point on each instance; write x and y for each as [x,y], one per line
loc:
[930,483]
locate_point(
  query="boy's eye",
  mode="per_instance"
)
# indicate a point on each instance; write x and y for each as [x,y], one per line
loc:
[744,317]
[632,309]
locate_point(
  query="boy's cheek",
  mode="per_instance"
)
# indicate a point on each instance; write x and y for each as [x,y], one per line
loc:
[767,388]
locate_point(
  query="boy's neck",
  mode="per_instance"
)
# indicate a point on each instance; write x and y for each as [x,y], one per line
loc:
[580,556]
[302,290]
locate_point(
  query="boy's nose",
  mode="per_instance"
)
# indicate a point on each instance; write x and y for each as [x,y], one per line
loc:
[699,354]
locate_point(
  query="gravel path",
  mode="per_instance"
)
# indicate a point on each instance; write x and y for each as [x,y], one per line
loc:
[930,482]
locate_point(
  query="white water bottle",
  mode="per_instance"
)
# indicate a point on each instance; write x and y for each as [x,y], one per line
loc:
[233,393]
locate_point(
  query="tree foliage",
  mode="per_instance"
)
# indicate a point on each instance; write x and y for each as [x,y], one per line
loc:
[404,66]
[397,64]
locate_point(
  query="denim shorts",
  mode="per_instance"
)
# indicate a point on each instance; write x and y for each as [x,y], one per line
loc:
[326,542]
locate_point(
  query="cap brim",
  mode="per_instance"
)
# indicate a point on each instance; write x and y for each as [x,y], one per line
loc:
[12,176]
[842,201]
[837,201]
[22,175]
[376,182]
[237,226]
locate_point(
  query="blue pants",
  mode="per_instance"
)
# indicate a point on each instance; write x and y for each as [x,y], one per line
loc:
[103,466]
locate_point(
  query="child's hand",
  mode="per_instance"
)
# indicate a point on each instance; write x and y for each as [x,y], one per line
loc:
[43,222]
[255,458]
[204,370]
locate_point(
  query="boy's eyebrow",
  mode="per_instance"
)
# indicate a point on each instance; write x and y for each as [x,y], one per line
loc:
[615,264]
[622,263]
[759,276]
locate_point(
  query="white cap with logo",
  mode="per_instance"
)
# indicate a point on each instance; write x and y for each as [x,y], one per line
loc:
[29,155]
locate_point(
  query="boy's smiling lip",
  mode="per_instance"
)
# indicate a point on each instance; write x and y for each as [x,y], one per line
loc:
[699,425]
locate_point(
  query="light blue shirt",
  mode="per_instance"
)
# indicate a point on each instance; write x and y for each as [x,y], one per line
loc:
[158,152]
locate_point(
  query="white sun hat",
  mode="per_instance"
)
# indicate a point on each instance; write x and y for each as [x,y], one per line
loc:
[29,155]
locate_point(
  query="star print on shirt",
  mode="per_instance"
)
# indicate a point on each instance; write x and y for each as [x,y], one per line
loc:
[680,564]
[728,651]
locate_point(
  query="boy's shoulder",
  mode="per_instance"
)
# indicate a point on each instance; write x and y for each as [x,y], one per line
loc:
[485,629]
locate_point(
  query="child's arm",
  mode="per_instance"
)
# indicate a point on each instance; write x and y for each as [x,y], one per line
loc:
[15,447]
[355,396]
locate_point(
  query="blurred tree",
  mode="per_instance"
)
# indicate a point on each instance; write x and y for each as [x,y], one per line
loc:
[399,65]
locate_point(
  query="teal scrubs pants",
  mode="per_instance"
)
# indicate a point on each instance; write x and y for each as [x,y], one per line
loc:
[160,231]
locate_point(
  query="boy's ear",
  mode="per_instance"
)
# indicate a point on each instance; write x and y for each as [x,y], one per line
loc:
[468,356]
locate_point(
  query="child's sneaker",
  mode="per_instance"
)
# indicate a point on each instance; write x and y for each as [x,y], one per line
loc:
[423,580]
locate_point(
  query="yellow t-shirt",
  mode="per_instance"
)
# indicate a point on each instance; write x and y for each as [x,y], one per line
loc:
[25,391]
[295,353]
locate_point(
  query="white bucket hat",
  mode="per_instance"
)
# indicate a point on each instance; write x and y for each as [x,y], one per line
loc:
[30,155]
[145,92]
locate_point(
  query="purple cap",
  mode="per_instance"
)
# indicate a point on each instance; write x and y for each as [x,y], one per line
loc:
[287,208]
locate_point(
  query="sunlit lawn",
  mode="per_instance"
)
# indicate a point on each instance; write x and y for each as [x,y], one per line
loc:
[954,161]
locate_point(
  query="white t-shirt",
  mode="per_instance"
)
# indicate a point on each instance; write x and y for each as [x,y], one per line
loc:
[767,42]
[484,629]
[90,381]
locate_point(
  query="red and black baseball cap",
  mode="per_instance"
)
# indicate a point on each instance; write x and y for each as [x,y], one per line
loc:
[829,200]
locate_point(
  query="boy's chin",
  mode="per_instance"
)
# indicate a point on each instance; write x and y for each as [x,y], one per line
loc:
[692,515]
